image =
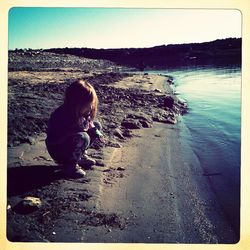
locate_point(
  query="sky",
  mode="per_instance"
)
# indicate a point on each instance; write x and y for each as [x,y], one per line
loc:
[43,27]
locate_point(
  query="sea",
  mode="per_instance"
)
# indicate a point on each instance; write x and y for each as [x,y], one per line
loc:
[213,122]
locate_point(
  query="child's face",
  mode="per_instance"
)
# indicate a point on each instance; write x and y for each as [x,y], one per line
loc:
[86,109]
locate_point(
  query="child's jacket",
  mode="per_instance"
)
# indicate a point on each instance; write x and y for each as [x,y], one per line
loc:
[62,124]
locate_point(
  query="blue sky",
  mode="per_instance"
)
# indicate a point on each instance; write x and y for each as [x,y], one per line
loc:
[118,28]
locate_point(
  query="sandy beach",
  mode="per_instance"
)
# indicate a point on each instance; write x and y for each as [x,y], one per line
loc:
[147,186]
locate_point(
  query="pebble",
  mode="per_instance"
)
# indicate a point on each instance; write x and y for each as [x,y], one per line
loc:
[27,205]
[115,145]
[171,120]
[100,163]
[118,133]
[31,140]
[145,124]
[120,169]
[169,101]
[158,91]
[106,170]
[31,202]
[157,135]
[131,124]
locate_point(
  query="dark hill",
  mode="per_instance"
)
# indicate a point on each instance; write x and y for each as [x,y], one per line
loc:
[223,52]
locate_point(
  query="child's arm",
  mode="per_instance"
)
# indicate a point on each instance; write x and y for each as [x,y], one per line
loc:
[97,132]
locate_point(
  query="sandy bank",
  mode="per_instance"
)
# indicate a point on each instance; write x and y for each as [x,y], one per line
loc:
[31,172]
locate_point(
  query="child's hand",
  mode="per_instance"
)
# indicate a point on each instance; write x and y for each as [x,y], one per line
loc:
[100,136]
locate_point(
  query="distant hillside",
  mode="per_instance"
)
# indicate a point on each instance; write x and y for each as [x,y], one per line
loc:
[224,51]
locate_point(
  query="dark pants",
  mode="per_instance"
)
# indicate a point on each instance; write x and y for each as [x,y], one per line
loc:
[69,152]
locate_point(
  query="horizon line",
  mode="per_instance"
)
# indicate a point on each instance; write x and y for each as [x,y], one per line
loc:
[126,47]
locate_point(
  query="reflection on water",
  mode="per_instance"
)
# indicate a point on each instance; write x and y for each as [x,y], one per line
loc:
[214,98]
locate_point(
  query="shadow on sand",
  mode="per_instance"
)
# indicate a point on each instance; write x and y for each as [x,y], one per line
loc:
[26,178]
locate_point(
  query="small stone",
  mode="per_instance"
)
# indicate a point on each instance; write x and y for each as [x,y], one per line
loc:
[127,133]
[27,205]
[140,116]
[31,140]
[146,124]
[31,202]
[21,155]
[118,133]
[169,101]
[100,163]
[120,169]
[131,124]
[106,170]
[115,145]
[157,135]
[171,120]
[157,90]
[170,81]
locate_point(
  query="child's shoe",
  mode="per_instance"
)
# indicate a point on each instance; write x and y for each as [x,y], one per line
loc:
[86,161]
[73,172]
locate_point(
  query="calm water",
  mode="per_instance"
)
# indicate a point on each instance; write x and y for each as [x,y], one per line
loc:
[214,119]
[214,122]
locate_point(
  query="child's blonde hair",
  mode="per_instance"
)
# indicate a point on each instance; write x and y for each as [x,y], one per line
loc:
[79,94]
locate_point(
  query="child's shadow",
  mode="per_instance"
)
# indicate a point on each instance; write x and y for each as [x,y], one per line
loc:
[26,178]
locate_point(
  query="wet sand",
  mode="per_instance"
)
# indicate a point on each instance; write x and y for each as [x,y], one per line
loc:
[165,194]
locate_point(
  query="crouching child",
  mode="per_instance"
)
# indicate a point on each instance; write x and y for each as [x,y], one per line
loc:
[72,129]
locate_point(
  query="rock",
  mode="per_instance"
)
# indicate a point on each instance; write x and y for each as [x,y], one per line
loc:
[31,140]
[183,105]
[160,116]
[140,116]
[28,205]
[157,135]
[127,133]
[170,81]
[145,124]
[114,144]
[30,201]
[112,125]
[120,169]
[106,170]
[169,101]
[158,91]
[131,123]
[171,120]
[100,163]
[117,132]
